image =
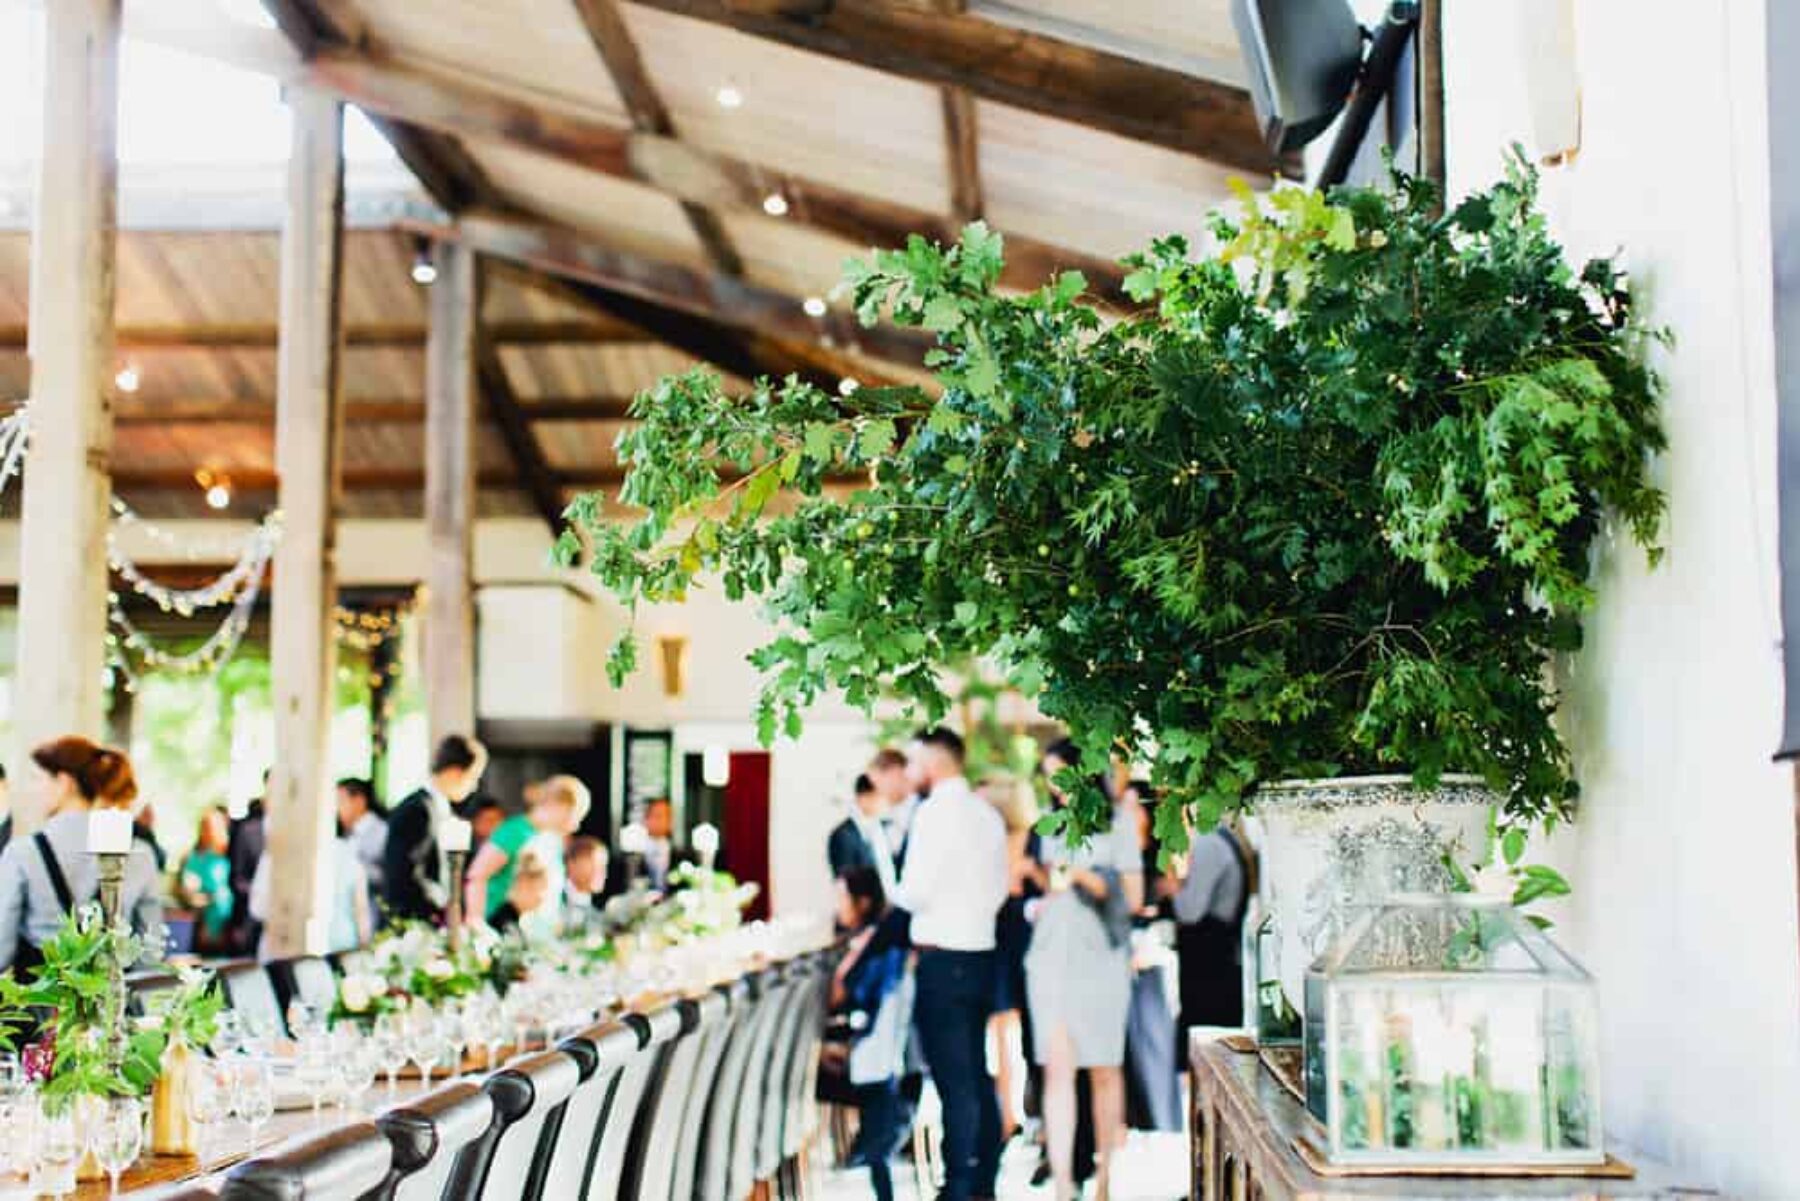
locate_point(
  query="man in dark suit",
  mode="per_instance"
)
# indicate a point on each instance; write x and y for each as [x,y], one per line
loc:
[245,839]
[416,884]
[860,840]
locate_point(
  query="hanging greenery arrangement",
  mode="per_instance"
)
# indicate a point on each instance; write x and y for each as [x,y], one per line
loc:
[1326,507]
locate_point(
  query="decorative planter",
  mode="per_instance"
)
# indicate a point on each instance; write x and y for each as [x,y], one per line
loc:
[1331,848]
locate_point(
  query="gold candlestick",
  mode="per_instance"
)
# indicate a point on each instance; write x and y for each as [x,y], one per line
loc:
[455,918]
[112,909]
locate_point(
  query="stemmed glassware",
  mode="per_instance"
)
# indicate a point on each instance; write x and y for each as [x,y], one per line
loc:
[305,1020]
[314,1071]
[55,1146]
[454,1020]
[116,1135]
[13,1092]
[357,1061]
[253,1095]
[424,1039]
[391,1046]
[208,1097]
[228,1034]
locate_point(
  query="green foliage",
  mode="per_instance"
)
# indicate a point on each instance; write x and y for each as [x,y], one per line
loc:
[72,990]
[1328,508]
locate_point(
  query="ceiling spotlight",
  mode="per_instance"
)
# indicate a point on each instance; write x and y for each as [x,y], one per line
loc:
[775,204]
[424,271]
[814,306]
[128,378]
[847,386]
[729,97]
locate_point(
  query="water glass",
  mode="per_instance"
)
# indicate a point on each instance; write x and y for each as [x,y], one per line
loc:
[55,1148]
[424,1040]
[314,1071]
[228,1034]
[116,1135]
[253,1095]
[391,1048]
[208,1097]
[304,1020]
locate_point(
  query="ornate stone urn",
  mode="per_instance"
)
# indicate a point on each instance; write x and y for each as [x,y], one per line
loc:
[1332,847]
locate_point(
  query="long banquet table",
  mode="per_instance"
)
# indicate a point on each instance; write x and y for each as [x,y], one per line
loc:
[157,1173]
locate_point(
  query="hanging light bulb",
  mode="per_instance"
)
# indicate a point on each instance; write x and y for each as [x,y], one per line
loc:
[814,306]
[847,386]
[128,378]
[729,96]
[424,271]
[775,204]
[218,495]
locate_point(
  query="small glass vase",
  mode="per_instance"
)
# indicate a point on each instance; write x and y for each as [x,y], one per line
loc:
[172,1129]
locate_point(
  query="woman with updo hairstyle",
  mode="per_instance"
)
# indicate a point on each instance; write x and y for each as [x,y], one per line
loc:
[46,875]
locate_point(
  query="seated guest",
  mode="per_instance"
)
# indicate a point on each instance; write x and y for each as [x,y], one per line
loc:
[872,993]
[361,820]
[585,862]
[660,857]
[415,873]
[527,897]
[860,840]
[204,882]
[557,807]
[50,874]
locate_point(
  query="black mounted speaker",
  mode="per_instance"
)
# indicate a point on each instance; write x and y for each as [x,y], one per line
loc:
[1303,56]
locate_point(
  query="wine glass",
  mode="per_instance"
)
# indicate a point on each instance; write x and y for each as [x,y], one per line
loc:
[208,1097]
[12,1092]
[390,1046]
[116,1135]
[55,1146]
[228,1033]
[313,1071]
[253,1096]
[304,1019]
[454,1021]
[424,1040]
[357,1063]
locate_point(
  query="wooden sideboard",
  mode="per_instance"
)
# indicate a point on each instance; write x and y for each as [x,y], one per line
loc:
[1243,1126]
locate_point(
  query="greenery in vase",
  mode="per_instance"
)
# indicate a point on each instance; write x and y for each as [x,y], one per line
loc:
[1325,507]
[73,991]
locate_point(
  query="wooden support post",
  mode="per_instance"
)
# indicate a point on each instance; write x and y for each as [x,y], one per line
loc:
[58,687]
[450,404]
[309,426]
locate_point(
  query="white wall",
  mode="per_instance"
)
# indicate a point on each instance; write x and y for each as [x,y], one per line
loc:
[1683,857]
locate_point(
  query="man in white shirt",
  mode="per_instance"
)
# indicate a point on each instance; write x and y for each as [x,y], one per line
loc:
[892,777]
[953,885]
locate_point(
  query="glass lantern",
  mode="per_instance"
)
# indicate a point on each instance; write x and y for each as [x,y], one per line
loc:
[1449,1031]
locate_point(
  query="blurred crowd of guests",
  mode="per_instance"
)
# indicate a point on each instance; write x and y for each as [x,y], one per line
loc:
[1047,957]
[532,869]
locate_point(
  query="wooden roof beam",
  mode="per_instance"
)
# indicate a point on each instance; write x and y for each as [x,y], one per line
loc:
[1020,67]
[400,334]
[536,477]
[686,172]
[721,298]
[139,410]
[442,167]
[606,27]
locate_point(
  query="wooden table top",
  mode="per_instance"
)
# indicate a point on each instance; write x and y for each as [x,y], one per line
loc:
[1262,1118]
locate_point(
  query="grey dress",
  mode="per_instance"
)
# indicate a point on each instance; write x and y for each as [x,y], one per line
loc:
[1074,976]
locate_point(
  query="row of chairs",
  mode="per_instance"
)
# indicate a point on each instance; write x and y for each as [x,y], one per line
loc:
[707,1099]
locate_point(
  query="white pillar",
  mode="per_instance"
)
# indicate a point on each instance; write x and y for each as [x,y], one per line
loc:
[450,404]
[62,558]
[308,430]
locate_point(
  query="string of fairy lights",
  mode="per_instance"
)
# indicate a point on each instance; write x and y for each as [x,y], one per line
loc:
[133,653]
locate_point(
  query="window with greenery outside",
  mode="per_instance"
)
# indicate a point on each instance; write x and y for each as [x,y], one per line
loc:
[1324,506]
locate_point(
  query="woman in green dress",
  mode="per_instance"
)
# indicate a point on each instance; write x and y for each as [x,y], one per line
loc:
[205,881]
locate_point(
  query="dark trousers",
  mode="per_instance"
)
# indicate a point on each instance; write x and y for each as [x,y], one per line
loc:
[954,999]
[879,1134]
